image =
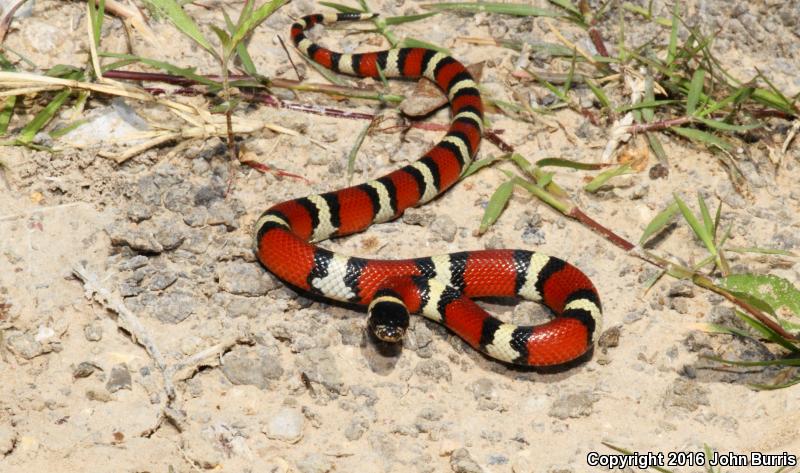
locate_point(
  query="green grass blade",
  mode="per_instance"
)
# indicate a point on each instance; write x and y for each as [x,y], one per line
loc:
[697,228]
[247,23]
[727,126]
[723,329]
[43,117]
[743,93]
[706,138]
[482,163]
[418,43]
[399,20]
[516,9]
[178,17]
[6,113]
[568,163]
[59,132]
[672,48]
[351,156]
[695,89]
[599,93]
[775,291]
[645,104]
[707,222]
[763,251]
[605,176]
[497,203]
[567,5]
[659,222]
[767,332]
[779,362]
[340,7]
[96,15]
[165,66]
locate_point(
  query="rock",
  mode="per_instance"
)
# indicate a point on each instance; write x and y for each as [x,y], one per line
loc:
[169,233]
[428,420]
[84,370]
[122,234]
[355,429]
[681,289]
[462,462]
[352,332]
[679,305]
[93,332]
[633,316]
[573,405]
[8,439]
[251,366]
[420,339]
[120,378]
[609,338]
[148,192]
[314,463]
[418,216]
[221,213]
[175,307]
[138,212]
[444,227]
[25,345]
[482,388]
[179,198]
[196,217]
[434,370]
[133,263]
[208,194]
[244,279]
[687,395]
[286,425]
[162,280]
[320,367]
[531,225]
[237,306]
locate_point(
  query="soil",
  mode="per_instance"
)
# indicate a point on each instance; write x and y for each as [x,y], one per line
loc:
[284,383]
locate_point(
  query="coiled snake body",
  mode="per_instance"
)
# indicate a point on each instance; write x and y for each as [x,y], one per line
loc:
[440,288]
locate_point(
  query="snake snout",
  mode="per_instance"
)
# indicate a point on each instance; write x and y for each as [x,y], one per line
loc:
[388,318]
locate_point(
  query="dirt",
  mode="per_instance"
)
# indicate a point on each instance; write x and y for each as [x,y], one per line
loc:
[293,384]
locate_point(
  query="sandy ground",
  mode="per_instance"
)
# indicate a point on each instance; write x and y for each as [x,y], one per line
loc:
[290,384]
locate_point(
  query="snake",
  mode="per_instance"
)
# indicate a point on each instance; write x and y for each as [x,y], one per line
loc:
[442,288]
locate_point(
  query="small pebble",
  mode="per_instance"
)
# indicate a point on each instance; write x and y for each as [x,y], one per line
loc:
[434,370]
[120,378]
[251,366]
[93,332]
[84,370]
[444,227]
[462,462]
[286,425]
[315,463]
[687,395]
[244,279]
[573,405]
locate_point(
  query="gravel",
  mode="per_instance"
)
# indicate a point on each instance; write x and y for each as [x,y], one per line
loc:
[285,425]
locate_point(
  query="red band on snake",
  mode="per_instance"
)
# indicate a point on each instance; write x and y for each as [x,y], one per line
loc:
[440,288]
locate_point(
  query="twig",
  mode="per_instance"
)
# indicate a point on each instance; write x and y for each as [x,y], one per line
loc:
[5,22]
[289,56]
[658,125]
[126,320]
[570,44]
[186,368]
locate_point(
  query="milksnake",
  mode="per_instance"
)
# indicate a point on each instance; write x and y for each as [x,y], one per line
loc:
[440,288]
